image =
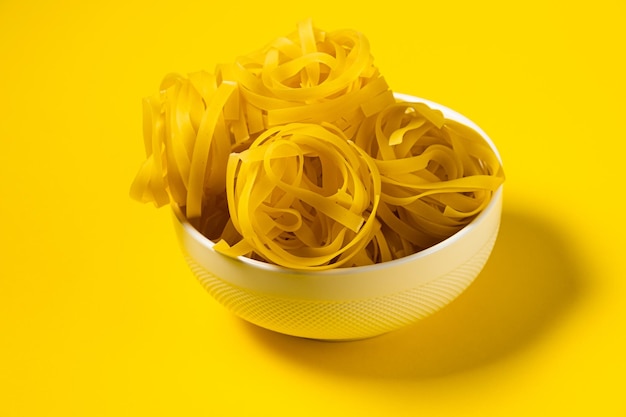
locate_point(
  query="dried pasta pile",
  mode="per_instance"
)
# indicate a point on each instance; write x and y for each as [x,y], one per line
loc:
[299,155]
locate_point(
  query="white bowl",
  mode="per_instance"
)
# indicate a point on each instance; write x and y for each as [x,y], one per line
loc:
[347,303]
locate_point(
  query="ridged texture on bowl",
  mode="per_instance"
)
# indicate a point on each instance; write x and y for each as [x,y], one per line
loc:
[348,319]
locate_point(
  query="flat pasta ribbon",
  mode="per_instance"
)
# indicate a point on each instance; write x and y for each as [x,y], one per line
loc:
[302,196]
[437,174]
[187,143]
[312,76]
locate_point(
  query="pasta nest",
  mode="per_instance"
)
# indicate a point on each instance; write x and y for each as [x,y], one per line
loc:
[298,154]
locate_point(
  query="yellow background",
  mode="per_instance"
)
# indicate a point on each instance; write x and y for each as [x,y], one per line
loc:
[99,315]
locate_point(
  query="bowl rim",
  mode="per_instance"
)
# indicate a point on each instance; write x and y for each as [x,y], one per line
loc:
[494,204]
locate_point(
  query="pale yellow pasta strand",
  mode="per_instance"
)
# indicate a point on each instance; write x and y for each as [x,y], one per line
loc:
[276,159]
[436,174]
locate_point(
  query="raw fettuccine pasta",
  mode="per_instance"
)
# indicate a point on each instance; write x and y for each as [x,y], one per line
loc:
[302,196]
[436,174]
[299,155]
[311,76]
